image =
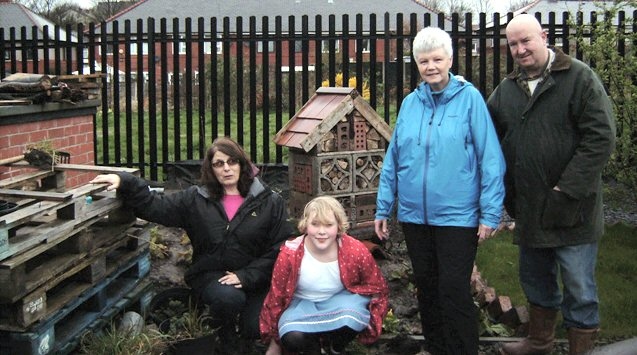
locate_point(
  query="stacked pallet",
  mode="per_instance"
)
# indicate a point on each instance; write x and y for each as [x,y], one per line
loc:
[81,86]
[70,260]
[28,88]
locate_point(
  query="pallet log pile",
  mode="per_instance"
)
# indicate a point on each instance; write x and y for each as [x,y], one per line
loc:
[27,89]
[70,261]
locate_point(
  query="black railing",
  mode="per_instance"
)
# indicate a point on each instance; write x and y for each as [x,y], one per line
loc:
[173,86]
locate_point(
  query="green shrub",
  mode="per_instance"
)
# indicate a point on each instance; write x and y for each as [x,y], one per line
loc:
[619,74]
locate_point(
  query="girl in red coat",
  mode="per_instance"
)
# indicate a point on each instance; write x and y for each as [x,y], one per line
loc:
[326,286]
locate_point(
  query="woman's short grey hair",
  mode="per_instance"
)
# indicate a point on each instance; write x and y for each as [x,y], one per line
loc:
[431,38]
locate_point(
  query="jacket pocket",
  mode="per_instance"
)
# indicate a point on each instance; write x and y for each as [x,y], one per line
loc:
[561,211]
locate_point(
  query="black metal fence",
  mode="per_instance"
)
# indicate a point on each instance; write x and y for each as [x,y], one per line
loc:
[172,87]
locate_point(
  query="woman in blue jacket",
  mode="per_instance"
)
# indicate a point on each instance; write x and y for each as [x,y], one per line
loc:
[444,169]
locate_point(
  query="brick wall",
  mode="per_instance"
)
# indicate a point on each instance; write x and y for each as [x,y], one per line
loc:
[72,134]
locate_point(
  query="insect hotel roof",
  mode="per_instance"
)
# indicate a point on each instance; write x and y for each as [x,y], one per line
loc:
[327,107]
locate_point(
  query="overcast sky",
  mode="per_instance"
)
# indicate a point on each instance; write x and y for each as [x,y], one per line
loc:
[496,5]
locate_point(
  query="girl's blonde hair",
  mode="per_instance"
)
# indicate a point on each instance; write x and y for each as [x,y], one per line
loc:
[319,209]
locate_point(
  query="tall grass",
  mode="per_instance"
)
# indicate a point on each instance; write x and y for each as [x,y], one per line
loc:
[616,276]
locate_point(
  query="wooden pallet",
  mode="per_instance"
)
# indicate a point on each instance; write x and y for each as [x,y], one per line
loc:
[90,84]
[32,293]
[57,214]
[22,274]
[128,288]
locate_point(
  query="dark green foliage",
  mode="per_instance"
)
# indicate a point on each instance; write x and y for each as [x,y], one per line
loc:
[600,43]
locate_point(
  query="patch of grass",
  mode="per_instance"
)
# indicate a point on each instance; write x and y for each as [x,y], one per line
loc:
[497,261]
[122,342]
[617,280]
[184,322]
[616,275]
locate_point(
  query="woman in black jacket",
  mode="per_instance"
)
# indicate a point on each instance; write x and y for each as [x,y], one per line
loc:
[235,224]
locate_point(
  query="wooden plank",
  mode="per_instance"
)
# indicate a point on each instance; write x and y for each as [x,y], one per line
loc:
[79,77]
[15,102]
[77,212]
[21,179]
[27,78]
[335,90]
[340,111]
[95,168]
[41,195]
[373,118]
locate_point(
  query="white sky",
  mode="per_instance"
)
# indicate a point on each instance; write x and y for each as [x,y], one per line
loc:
[496,5]
[85,4]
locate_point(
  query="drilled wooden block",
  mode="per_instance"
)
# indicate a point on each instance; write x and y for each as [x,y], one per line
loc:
[367,169]
[335,174]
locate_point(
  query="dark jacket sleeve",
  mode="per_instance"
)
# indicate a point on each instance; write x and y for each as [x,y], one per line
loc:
[595,123]
[167,210]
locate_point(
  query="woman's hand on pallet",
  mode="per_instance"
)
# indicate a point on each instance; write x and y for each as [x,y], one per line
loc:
[113,181]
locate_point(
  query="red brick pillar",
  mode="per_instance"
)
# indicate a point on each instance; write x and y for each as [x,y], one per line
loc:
[67,129]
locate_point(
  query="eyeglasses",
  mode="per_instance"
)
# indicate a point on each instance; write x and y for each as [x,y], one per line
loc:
[220,163]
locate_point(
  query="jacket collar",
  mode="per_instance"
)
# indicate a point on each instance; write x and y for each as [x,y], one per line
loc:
[562,62]
[256,188]
[455,85]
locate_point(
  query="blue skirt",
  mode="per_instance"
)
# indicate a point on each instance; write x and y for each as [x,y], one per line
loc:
[342,309]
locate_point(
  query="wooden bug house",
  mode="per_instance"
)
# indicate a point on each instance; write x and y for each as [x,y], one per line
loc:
[336,147]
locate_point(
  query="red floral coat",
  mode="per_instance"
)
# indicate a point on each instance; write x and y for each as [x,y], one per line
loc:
[359,273]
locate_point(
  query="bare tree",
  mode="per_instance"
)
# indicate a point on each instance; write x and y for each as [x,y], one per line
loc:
[40,7]
[435,5]
[459,6]
[65,14]
[515,5]
[107,8]
[483,6]
[450,6]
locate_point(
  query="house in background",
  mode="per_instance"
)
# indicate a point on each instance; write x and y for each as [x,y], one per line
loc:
[565,9]
[237,19]
[18,22]
[543,9]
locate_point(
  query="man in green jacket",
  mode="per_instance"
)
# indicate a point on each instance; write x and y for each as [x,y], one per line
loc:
[556,129]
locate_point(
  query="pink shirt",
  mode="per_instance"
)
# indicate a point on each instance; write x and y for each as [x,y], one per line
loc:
[231,203]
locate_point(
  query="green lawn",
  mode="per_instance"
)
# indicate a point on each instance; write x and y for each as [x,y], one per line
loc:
[182,136]
[616,276]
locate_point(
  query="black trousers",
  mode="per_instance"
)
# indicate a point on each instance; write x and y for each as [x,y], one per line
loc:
[442,260]
[309,343]
[230,305]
